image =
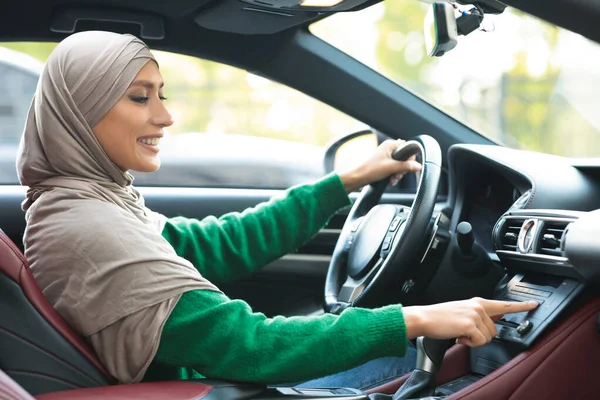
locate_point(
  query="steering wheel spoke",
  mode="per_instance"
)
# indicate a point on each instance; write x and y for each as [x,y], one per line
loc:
[353,288]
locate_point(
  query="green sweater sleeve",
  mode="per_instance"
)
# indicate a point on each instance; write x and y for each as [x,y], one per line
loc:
[237,244]
[223,339]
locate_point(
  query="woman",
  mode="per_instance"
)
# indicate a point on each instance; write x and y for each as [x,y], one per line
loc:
[141,287]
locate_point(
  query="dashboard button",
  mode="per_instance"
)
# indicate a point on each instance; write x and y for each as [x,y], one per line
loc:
[541,293]
[524,327]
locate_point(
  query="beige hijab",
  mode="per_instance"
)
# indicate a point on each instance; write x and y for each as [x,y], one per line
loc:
[95,250]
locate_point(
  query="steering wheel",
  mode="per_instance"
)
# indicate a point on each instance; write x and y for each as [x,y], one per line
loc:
[380,243]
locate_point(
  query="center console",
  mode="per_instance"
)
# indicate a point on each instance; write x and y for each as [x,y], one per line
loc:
[542,250]
[553,294]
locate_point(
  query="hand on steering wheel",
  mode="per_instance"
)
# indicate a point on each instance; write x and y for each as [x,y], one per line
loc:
[379,166]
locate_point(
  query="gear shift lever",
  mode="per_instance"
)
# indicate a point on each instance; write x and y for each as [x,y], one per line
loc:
[421,383]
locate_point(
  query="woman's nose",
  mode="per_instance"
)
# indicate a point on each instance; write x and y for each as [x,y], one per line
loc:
[162,117]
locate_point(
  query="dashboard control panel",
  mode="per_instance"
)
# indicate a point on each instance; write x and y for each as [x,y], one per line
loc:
[553,294]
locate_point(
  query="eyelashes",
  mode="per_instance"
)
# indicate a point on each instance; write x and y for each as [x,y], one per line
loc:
[144,99]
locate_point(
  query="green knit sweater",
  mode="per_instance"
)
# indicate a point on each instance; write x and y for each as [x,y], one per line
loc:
[210,335]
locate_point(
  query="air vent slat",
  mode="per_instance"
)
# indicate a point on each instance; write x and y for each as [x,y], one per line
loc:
[510,234]
[551,238]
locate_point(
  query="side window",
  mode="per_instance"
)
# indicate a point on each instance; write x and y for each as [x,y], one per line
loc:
[17,86]
[232,128]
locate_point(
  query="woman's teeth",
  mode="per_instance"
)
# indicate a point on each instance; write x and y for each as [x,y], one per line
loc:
[151,142]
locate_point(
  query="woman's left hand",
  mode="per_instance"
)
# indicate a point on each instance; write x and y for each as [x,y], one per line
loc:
[379,166]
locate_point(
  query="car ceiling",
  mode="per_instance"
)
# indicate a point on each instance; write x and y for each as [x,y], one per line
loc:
[580,16]
[204,27]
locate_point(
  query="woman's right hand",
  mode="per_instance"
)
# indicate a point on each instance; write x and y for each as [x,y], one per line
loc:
[470,321]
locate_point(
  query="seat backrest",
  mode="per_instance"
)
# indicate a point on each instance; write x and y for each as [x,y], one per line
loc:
[38,349]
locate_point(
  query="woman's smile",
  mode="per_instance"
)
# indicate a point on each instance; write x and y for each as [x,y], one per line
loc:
[150,143]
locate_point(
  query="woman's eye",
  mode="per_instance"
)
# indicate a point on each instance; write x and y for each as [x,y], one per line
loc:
[139,99]
[162,98]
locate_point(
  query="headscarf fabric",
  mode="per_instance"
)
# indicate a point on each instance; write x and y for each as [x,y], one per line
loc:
[94,248]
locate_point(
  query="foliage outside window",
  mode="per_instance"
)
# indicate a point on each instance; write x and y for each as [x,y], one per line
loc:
[524,83]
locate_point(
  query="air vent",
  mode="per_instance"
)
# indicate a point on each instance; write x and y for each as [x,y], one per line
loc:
[510,234]
[551,237]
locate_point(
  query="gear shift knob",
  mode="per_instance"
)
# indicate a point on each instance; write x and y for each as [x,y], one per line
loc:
[430,354]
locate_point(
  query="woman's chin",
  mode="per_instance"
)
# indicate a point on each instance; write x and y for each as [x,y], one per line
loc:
[148,166]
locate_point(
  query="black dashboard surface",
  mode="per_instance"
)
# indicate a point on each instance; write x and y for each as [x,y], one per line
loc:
[556,182]
[486,181]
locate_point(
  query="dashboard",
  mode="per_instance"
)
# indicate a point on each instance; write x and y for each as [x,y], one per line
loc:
[538,217]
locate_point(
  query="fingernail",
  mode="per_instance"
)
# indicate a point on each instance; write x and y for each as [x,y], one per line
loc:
[533,303]
[416,166]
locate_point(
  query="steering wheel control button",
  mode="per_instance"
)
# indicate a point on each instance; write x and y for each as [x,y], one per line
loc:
[368,239]
[524,327]
[387,242]
[395,223]
[349,241]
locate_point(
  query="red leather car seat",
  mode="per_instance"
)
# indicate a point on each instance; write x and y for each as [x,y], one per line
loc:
[37,347]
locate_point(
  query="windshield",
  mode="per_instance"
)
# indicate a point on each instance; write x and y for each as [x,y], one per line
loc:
[523,82]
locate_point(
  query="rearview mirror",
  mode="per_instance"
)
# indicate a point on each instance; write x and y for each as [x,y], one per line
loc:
[441,31]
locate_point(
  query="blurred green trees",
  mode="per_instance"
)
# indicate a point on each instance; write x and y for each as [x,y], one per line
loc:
[524,83]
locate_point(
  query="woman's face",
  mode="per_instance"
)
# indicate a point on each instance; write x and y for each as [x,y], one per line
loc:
[130,132]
